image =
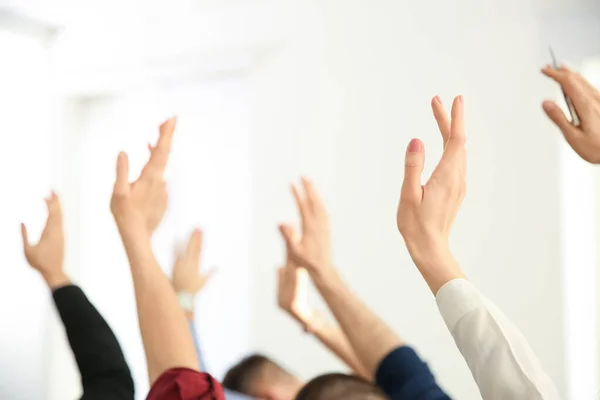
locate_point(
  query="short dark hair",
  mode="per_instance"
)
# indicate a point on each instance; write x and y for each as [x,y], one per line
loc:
[254,371]
[340,387]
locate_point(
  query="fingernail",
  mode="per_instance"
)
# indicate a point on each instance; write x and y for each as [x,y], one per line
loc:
[460,98]
[414,146]
[437,99]
[548,106]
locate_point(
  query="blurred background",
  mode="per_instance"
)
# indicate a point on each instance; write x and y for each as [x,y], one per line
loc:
[266,91]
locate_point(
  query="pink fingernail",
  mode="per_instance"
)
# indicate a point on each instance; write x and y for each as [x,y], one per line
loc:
[414,146]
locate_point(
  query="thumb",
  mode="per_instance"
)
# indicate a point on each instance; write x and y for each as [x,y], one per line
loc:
[554,112]
[413,168]
[280,276]
[289,236]
[122,182]
[26,244]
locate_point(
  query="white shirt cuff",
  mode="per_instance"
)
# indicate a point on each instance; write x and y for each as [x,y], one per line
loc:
[455,299]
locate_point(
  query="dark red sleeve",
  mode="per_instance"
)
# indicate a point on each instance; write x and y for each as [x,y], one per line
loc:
[186,384]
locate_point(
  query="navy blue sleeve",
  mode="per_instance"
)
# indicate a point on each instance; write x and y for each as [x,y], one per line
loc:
[403,375]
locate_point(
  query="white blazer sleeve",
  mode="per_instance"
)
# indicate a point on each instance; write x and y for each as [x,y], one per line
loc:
[500,359]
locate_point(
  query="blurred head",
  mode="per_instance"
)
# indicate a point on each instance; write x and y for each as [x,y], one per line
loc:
[260,377]
[340,387]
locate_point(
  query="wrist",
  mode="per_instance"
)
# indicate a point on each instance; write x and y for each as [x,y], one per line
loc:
[134,239]
[56,280]
[131,227]
[324,276]
[315,324]
[435,262]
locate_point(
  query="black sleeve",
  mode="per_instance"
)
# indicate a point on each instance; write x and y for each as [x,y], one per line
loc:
[403,375]
[104,371]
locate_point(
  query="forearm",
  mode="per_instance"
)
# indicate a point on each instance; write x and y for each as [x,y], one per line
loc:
[57,280]
[436,264]
[167,341]
[368,335]
[332,337]
[492,345]
[97,352]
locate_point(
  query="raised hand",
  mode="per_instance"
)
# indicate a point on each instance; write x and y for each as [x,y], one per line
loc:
[141,205]
[426,212]
[187,276]
[313,249]
[292,294]
[48,254]
[585,139]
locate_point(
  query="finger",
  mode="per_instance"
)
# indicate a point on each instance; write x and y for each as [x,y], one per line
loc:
[25,236]
[455,149]
[54,218]
[441,117]
[54,208]
[572,134]
[160,153]
[290,276]
[288,234]
[413,168]
[457,124]
[122,181]
[592,91]
[194,247]
[302,204]
[280,278]
[312,196]
[571,84]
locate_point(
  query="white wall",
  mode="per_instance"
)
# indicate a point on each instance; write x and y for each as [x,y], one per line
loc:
[579,232]
[591,69]
[340,104]
[208,182]
[28,173]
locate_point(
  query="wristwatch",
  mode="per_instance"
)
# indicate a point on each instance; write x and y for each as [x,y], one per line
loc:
[186,301]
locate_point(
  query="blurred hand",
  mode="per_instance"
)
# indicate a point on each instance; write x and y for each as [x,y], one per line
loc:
[426,212]
[292,294]
[47,256]
[187,276]
[313,250]
[141,205]
[585,139]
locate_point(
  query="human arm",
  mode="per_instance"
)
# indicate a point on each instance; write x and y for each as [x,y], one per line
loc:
[138,208]
[97,351]
[376,346]
[188,281]
[499,357]
[492,345]
[292,297]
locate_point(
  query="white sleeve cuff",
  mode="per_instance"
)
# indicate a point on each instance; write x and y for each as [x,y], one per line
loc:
[455,299]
